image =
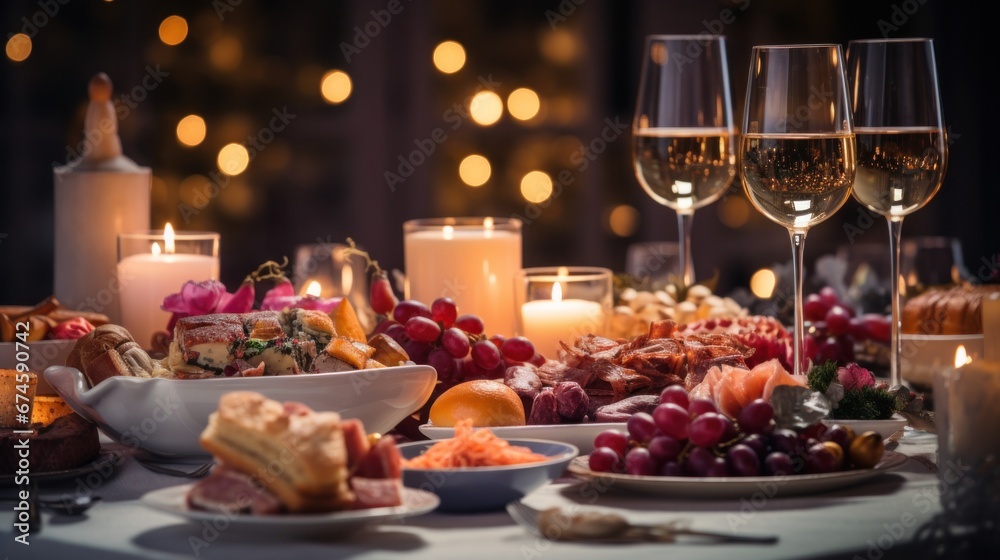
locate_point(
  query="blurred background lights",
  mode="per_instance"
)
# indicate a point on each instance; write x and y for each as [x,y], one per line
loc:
[474,170]
[191,130]
[623,220]
[523,104]
[226,53]
[734,211]
[486,108]
[233,159]
[762,283]
[536,186]
[18,47]
[449,57]
[173,30]
[335,86]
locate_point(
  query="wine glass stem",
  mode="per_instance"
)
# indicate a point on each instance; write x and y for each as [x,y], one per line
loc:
[895,231]
[684,220]
[798,250]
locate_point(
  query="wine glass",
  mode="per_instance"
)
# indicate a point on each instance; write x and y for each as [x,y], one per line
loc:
[682,133]
[797,146]
[902,148]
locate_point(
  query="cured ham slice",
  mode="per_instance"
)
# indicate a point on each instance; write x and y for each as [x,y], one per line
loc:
[376,492]
[229,491]
[732,388]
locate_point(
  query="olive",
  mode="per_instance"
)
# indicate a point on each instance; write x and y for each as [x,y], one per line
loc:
[866,450]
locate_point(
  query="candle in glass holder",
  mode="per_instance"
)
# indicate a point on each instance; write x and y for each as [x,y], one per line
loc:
[470,260]
[148,272]
[557,305]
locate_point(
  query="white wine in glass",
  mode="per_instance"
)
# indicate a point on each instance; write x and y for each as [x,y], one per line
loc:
[683,133]
[797,147]
[901,139]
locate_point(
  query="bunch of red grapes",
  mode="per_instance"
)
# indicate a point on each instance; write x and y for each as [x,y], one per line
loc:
[689,437]
[454,345]
[833,330]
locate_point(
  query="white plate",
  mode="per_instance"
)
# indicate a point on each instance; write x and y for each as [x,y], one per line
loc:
[885,428]
[172,500]
[580,435]
[736,487]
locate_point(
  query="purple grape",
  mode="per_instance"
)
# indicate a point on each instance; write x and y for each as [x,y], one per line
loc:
[410,308]
[664,448]
[757,443]
[785,441]
[839,434]
[416,350]
[755,416]
[675,394]
[639,462]
[456,342]
[518,348]
[672,420]
[444,311]
[815,431]
[717,468]
[778,464]
[396,332]
[485,354]
[671,468]
[422,329]
[702,405]
[706,430]
[742,460]
[471,324]
[698,461]
[819,459]
[442,362]
[641,427]
[612,439]
[604,459]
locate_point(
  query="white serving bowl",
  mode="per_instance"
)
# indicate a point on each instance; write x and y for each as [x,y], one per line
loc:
[166,416]
[923,355]
[885,428]
[42,354]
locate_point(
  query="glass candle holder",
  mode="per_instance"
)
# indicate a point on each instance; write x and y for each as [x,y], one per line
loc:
[470,260]
[559,304]
[155,264]
[327,270]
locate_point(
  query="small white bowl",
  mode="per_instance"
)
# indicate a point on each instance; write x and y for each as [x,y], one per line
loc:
[166,416]
[885,428]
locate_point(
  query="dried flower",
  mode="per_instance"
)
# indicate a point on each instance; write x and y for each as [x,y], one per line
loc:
[854,376]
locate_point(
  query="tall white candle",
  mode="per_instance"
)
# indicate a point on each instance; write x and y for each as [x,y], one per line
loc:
[147,278]
[472,264]
[548,322]
[991,327]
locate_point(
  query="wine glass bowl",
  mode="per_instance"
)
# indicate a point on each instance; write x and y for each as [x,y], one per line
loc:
[682,131]
[901,142]
[797,146]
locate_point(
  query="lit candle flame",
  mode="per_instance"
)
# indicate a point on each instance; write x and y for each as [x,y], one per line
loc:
[961,356]
[556,292]
[168,238]
[155,249]
[488,227]
[448,232]
[314,289]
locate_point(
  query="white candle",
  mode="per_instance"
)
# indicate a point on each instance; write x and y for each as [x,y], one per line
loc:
[473,265]
[548,322]
[147,278]
[991,327]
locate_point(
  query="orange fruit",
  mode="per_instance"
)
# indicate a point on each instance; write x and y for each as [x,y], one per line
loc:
[486,402]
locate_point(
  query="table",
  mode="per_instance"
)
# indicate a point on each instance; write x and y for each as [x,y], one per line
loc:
[875,521]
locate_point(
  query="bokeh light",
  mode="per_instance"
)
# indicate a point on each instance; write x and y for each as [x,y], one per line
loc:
[449,57]
[18,47]
[226,53]
[623,220]
[191,130]
[474,170]
[173,30]
[536,186]
[734,211]
[233,159]
[762,283]
[486,108]
[523,104]
[335,86]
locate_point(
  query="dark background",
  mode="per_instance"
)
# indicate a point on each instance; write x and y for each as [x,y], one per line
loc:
[322,178]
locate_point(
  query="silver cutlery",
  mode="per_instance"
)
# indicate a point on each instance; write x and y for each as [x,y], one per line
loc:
[594,526]
[198,472]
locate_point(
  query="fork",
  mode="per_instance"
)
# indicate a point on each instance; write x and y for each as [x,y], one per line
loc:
[199,472]
[603,527]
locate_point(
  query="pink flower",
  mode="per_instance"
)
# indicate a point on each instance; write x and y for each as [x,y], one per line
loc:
[195,298]
[855,377]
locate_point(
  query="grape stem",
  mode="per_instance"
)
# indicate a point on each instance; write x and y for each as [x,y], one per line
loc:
[352,249]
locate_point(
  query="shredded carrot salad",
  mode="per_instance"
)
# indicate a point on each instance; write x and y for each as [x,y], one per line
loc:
[473,448]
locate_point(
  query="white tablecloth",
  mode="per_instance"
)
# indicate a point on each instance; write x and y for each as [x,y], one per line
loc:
[875,520]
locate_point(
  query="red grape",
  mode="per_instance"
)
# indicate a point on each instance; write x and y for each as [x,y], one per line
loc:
[742,460]
[497,340]
[676,394]
[442,362]
[717,468]
[838,320]
[814,308]
[641,427]
[839,434]
[785,441]
[416,350]
[471,324]
[698,461]
[778,463]
[444,311]
[755,416]
[671,468]
[537,360]
[410,308]
[422,329]
[605,459]
[672,420]
[638,461]
[397,332]
[701,405]
[872,326]
[612,439]
[755,442]
[819,459]
[383,325]
[664,448]
[380,295]
[829,296]
[706,430]
[518,348]
[485,354]
[456,342]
